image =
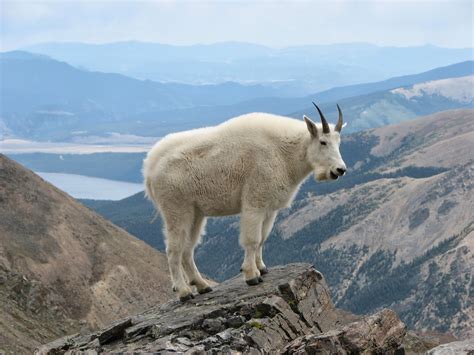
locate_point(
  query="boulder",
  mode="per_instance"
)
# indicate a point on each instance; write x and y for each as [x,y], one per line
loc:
[381,333]
[464,347]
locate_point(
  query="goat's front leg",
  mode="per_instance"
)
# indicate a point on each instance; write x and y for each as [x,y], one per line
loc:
[250,239]
[266,229]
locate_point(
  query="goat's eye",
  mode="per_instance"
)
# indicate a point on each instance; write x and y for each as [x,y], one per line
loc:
[323,143]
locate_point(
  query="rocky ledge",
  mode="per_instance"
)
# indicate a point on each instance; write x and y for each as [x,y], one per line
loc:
[290,312]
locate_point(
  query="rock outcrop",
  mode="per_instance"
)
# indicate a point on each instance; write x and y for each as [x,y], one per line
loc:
[465,347]
[291,311]
[379,333]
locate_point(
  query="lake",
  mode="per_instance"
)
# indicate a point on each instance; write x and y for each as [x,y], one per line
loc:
[86,187]
[19,146]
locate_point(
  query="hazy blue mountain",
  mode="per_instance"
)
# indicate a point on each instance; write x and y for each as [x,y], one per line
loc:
[312,68]
[369,110]
[404,103]
[46,99]
[355,94]
[450,71]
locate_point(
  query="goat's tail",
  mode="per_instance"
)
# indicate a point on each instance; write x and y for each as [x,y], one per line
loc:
[149,190]
[149,193]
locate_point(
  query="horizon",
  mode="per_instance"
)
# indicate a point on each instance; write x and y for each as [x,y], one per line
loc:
[446,24]
[209,44]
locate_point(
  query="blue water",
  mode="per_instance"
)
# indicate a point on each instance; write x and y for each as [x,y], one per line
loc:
[79,186]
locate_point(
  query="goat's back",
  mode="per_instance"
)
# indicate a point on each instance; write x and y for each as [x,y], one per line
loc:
[247,130]
[210,166]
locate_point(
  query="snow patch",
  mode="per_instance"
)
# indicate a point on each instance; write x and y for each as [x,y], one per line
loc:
[456,89]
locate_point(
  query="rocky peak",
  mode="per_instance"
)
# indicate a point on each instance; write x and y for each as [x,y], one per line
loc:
[291,311]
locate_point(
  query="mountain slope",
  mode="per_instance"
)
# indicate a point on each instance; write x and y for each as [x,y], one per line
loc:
[365,105]
[283,106]
[402,212]
[43,98]
[304,69]
[375,109]
[403,103]
[62,267]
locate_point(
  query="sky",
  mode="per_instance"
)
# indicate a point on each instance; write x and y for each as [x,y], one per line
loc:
[273,23]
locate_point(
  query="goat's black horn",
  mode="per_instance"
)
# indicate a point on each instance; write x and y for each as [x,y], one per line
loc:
[339,121]
[323,120]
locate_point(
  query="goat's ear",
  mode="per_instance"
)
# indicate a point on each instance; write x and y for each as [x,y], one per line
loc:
[311,126]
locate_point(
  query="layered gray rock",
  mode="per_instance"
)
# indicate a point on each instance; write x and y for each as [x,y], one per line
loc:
[464,347]
[290,308]
[380,333]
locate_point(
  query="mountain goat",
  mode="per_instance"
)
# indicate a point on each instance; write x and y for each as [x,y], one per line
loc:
[252,165]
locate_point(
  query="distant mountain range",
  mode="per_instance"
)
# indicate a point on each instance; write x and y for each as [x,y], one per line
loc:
[354,99]
[392,106]
[371,110]
[298,70]
[399,226]
[63,268]
[43,99]
[47,99]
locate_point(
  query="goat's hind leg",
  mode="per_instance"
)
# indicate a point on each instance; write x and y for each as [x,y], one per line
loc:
[178,229]
[189,266]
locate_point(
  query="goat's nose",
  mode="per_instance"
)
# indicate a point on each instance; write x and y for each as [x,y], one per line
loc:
[341,171]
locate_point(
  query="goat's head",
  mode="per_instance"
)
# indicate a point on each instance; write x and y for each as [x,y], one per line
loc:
[323,151]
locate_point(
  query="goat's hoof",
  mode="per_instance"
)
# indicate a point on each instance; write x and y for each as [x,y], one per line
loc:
[252,282]
[260,279]
[264,271]
[174,289]
[186,298]
[192,283]
[206,290]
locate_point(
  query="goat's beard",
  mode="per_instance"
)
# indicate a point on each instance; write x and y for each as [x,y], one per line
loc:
[320,174]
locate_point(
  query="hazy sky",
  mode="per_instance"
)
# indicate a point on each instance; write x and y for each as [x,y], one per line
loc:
[274,23]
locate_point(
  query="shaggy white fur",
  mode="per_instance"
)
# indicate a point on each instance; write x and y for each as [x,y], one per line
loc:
[252,165]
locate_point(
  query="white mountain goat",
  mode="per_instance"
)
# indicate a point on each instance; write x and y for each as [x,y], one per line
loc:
[252,165]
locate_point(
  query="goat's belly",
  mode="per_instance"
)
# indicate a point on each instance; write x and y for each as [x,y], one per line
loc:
[220,205]
[219,211]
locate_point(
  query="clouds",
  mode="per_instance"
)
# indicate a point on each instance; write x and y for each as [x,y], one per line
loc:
[274,23]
